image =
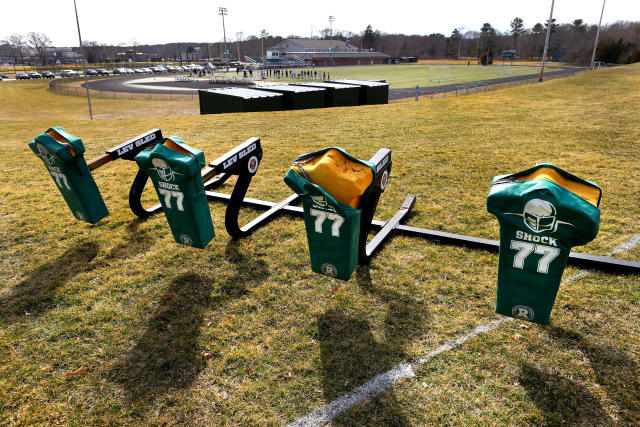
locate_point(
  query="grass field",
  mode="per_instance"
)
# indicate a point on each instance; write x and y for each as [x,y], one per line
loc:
[409,75]
[136,311]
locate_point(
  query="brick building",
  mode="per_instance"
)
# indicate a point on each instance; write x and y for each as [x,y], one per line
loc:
[321,53]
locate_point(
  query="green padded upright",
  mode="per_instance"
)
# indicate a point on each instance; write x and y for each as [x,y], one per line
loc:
[174,169]
[62,154]
[333,228]
[540,221]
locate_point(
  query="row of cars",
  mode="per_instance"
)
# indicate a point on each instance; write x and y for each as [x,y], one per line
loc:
[160,69]
[90,72]
[31,75]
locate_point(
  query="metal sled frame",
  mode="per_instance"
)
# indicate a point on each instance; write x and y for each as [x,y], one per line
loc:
[241,161]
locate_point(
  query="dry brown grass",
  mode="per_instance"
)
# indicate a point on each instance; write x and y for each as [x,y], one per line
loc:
[136,310]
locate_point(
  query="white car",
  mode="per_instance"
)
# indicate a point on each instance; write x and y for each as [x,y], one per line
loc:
[68,73]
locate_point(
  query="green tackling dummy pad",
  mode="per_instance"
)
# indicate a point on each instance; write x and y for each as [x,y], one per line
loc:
[63,155]
[333,228]
[543,212]
[174,169]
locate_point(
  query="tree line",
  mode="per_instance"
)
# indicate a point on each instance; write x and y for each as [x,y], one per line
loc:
[570,42]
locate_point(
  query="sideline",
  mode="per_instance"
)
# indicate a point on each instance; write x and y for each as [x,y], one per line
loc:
[386,380]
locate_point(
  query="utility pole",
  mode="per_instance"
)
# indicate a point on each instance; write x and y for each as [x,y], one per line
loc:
[546,42]
[223,11]
[331,18]
[84,67]
[595,44]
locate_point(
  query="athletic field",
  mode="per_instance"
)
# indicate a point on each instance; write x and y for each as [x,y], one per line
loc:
[117,324]
[410,75]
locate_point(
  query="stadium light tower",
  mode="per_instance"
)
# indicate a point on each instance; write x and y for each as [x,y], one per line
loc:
[222,11]
[546,42]
[595,44]
[84,67]
[331,18]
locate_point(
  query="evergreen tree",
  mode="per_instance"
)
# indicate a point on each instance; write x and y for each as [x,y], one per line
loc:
[517,28]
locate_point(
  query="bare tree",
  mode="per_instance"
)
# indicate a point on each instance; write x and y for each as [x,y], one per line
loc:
[39,42]
[16,41]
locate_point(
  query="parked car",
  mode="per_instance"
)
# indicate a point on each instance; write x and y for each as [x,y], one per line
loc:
[4,76]
[22,76]
[68,73]
[48,75]
[102,72]
[91,72]
[119,71]
[179,69]
[147,70]
[129,71]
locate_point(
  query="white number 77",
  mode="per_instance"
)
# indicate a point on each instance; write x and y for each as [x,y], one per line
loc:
[167,198]
[321,216]
[548,253]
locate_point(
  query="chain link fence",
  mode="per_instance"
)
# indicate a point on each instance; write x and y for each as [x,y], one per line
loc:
[474,88]
[72,87]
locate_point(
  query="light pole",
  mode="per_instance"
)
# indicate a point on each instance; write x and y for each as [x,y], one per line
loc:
[239,39]
[546,42]
[84,70]
[331,18]
[222,12]
[595,44]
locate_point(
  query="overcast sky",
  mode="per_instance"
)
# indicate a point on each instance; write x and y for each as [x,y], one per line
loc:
[153,21]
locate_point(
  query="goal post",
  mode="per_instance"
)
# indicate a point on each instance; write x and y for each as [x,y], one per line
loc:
[440,74]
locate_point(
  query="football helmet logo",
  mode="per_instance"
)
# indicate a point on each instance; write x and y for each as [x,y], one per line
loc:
[46,157]
[320,201]
[540,215]
[163,169]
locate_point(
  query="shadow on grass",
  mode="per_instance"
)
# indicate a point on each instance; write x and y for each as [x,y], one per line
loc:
[351,354]
[35,294]
[135,242]
[168,355]
[560,399]
[614,370]
[249,269]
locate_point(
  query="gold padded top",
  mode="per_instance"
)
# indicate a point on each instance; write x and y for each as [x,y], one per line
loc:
[175,147]
[345,180]
[588,192]
[55,135]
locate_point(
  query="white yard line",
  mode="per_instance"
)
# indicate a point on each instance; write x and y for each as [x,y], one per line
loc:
[386,380]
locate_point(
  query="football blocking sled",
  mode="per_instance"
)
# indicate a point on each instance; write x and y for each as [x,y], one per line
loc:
[543,212]
[174,168]
[243,161]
